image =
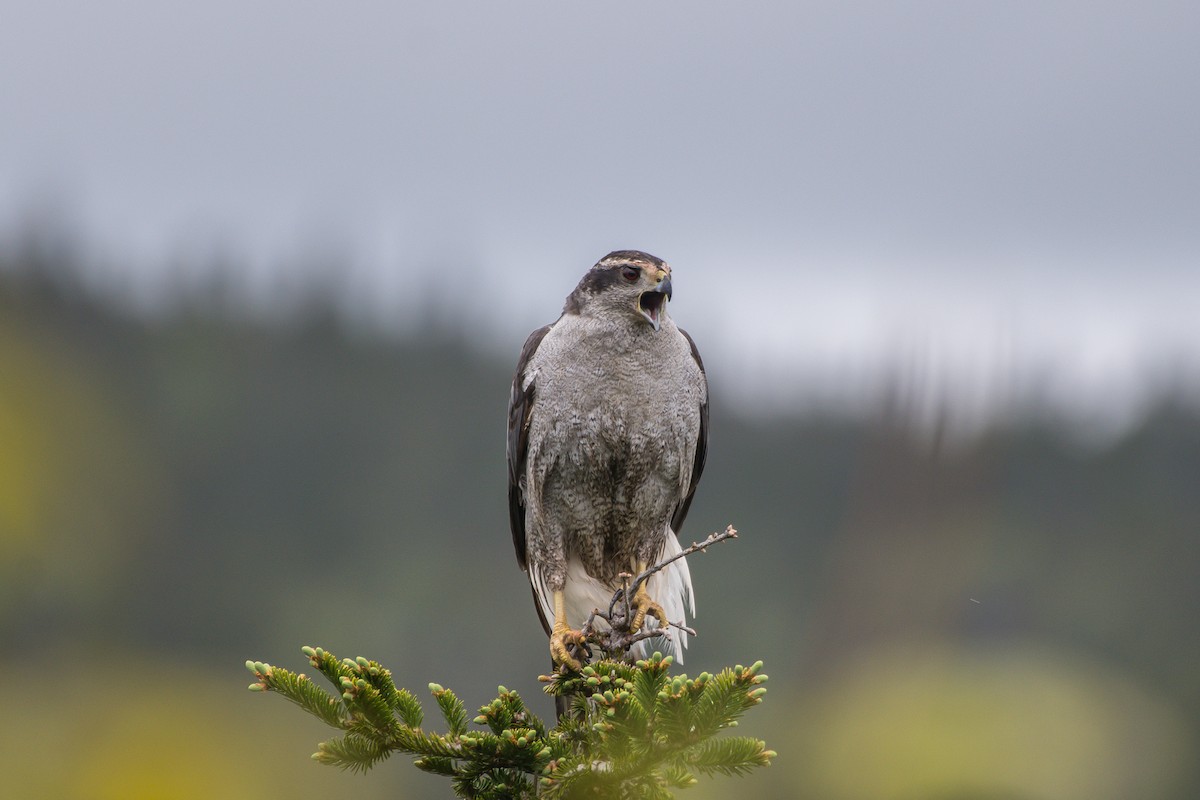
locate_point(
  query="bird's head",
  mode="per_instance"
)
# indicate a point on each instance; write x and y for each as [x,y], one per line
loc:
[626,283]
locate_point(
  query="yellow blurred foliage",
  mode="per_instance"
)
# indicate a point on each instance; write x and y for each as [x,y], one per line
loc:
[76,486]
[991,722]
[136,726]
[144,753]
[26,457]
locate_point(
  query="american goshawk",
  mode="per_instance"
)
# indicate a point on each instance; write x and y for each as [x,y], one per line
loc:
[607,436]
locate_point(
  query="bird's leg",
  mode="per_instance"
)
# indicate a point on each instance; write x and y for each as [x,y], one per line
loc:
[562,637]
[644,606]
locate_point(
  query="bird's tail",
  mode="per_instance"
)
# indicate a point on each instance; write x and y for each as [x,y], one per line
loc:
[671,588]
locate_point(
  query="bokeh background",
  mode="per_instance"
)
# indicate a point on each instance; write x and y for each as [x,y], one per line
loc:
[265,270]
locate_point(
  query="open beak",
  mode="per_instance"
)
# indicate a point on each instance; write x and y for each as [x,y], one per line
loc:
[653,302]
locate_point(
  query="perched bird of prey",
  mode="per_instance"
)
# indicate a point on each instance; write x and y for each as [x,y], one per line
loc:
[607,435]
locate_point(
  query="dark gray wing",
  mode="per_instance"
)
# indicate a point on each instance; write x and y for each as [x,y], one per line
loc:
[520,405]
[681,510]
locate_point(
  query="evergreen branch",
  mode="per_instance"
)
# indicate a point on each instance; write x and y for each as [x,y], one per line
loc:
[327,664]
[633,730]
[734,755]
[679,777]
[353,752]
[452,709]
[726,696]
[438,765]
[380,679]
[367,705]
[651,679]
[408,708]
[415,741]
[674,710]
[636,731]
[506,711]
[299,690]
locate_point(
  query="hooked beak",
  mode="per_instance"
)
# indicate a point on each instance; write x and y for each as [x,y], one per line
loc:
[652,302]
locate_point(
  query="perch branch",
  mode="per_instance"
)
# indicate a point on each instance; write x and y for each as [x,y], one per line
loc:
[618,638]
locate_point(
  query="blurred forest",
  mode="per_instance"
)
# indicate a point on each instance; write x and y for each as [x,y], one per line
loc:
[1016,616]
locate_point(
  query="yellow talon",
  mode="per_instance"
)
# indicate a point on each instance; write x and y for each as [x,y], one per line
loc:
[563,638]
[643,606]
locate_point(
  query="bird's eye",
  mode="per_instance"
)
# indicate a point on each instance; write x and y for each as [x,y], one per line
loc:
[630,273]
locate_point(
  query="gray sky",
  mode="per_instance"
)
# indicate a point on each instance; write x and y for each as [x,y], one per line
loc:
[1004,193]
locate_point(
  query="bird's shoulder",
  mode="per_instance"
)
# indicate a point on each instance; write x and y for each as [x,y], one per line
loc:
[574,339]
[578,365]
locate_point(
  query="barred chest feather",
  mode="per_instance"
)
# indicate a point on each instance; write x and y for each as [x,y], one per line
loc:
[613,438]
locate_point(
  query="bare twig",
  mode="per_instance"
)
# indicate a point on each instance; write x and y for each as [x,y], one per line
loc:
[684,628]
[618,638]
[627,591]
[713,538]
